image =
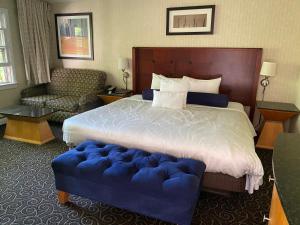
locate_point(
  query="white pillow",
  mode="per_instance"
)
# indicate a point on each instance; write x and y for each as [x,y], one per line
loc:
[169,99]
[156,81]
[157,78]
[172,85]
[205,86]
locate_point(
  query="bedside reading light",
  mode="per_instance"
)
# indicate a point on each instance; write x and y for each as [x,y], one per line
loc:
[123,64]
[268,69]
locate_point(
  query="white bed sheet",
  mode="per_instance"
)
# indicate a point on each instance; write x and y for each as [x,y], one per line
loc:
[220,137]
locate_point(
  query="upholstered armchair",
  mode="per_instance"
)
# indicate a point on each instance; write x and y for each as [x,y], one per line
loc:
[70,92]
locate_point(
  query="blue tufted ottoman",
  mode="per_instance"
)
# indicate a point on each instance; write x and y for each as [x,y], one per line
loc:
[155,185]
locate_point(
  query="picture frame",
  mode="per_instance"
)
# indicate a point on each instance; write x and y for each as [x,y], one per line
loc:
[74,35]
[192,20]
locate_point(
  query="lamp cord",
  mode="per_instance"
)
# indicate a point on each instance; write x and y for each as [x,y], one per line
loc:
[263,93]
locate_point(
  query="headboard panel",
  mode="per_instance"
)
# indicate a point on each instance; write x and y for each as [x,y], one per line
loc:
[239,68]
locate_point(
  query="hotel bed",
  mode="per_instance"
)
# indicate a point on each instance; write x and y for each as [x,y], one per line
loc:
[221,137]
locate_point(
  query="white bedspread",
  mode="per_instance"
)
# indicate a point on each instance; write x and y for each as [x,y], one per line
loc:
[220,137]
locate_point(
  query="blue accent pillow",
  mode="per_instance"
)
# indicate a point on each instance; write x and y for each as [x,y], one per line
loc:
[208,99]
[148,94]
[197,98]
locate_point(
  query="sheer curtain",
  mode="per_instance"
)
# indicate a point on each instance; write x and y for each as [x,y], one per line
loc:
[34,23]
[6,58]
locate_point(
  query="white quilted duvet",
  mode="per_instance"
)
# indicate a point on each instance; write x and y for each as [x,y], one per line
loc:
[220,137]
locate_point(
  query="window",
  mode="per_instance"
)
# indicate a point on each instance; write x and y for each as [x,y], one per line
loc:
[6,65]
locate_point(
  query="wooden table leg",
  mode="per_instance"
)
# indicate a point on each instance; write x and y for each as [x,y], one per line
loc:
[63,197]
[269,134]
[34,132]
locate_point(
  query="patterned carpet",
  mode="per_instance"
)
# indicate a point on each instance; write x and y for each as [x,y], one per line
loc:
[28,195]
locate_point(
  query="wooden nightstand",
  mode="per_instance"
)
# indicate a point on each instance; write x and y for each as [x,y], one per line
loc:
[106,98]
[274,113]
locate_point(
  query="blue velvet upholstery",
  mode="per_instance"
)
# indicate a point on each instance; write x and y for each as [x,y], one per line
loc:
[153,184]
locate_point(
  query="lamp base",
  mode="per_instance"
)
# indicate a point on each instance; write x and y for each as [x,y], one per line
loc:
[125,78]
[265,82]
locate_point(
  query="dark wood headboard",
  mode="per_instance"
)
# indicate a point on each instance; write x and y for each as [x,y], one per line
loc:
[239,68]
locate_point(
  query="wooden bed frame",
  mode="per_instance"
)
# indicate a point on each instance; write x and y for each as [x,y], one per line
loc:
[238,67]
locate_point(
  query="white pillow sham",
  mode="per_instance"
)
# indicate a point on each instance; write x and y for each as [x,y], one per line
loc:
[157,78]
[172,85]
[205,86]
[169,100]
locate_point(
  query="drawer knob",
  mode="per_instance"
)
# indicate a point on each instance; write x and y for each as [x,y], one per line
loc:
[265,219]
[271,178]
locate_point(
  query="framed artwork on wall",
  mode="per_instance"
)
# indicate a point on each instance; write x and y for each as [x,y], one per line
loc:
[190,20]
[74,33]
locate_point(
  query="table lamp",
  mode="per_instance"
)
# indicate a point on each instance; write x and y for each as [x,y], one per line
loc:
[123,64]
[268,69]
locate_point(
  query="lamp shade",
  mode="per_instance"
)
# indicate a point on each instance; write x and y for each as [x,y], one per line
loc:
[268,69]
[123,64]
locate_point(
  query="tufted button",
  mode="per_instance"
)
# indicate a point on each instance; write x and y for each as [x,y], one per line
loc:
[134,169]
[122,149]
[173,159]
[82,157]
[100,145]
[184,169]
[104,153]
[80,148]
[166,176]
[108,163]
[154,164]
[127,158]
[146,154]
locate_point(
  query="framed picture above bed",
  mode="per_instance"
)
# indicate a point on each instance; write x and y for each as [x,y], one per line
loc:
[74,33]
[191,20]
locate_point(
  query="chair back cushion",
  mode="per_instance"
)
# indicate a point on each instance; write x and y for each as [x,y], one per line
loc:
[76,82]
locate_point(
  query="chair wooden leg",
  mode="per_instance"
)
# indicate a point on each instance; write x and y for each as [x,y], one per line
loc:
[63,197]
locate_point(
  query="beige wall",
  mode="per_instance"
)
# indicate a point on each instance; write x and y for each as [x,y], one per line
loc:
[296,124]
[121,24]
[11,96]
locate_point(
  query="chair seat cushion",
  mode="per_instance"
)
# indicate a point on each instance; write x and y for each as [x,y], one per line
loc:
[39,101]
[66,103]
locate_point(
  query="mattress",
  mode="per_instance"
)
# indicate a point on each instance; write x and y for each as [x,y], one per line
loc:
[220,137]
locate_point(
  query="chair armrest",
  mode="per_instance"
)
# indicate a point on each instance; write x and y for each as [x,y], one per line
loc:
[89,101]
[34,91]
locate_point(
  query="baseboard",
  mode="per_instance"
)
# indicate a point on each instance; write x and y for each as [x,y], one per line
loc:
[3,121]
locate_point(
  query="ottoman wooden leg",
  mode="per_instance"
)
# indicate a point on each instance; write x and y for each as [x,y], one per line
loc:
[63,197]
